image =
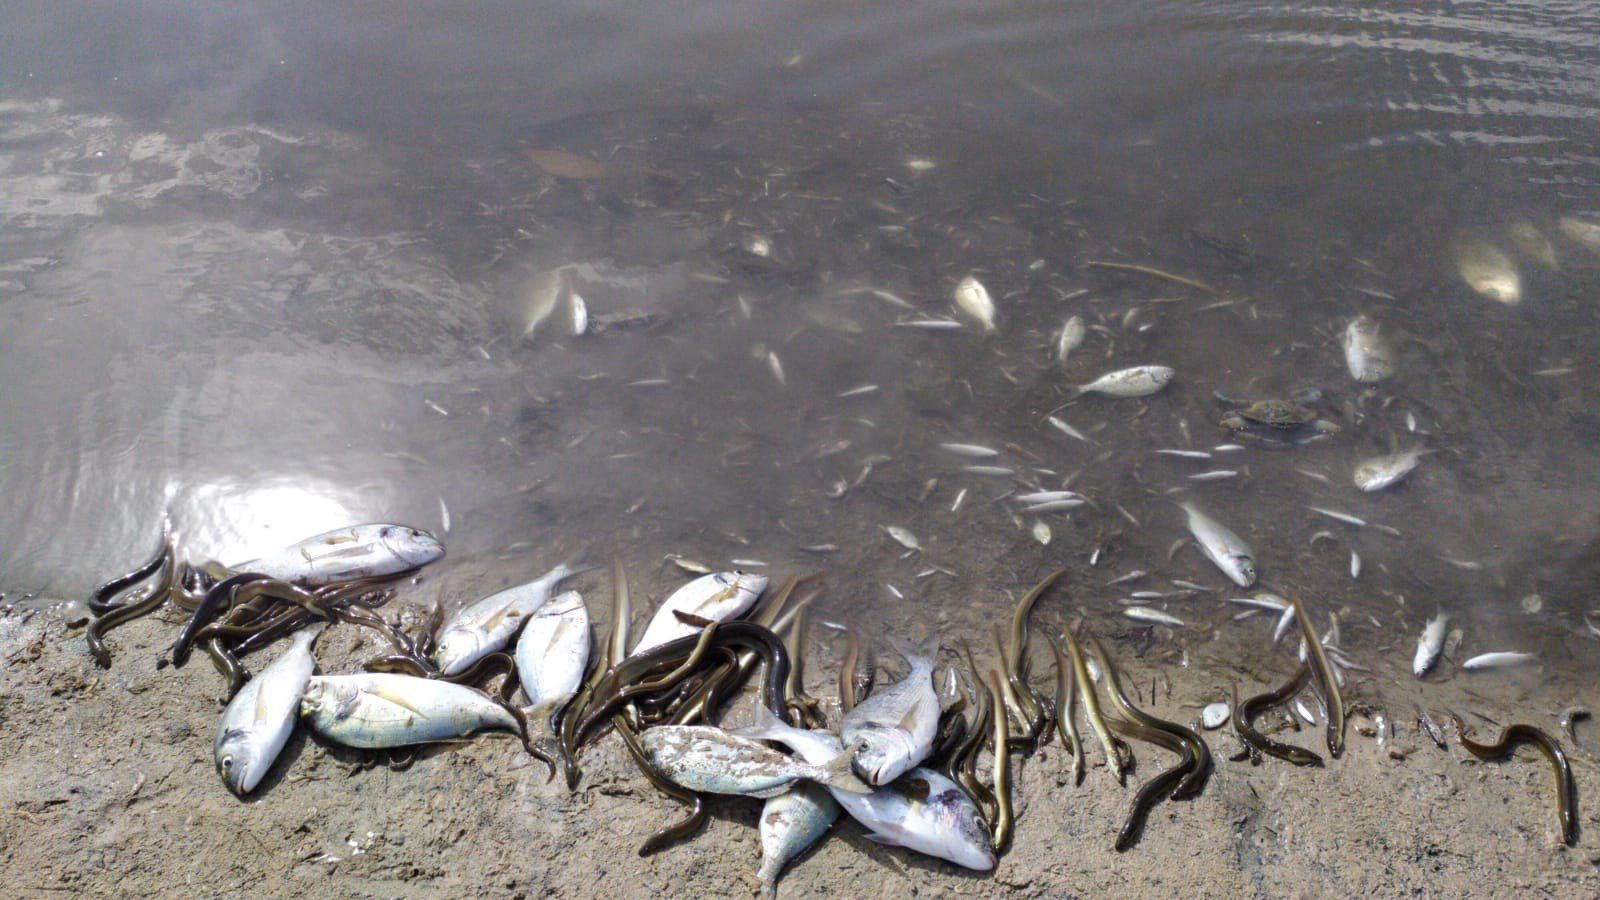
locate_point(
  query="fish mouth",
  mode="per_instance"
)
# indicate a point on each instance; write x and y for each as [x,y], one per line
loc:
[413,546]
[237,779]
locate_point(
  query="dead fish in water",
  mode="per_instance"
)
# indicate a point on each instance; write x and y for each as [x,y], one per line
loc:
[1146,614]
[713,761]
[260,717]
[488,625]
[1532,243]
[1498,660]
[1489,271]
[1231,554]
[930,324]
[348,554]
[1185,454]
[974,451]
[895,725]
[992,471]
[973,299]
[378,710]
[1139,381]
[1070,338]
[1062,426]
[1367,354]
[714,598]
[1582,231]
[922,811]
[1430,644]
[1380,472]
[552,654]
[1046,496]
[790,823]
[577,315]
[903,537]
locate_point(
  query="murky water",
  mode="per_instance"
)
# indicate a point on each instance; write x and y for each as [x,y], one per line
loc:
[269,271]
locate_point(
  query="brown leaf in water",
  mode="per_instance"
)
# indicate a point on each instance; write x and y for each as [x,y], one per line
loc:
[564,164]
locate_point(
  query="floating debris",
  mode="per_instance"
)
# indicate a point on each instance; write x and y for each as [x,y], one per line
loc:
[756,245]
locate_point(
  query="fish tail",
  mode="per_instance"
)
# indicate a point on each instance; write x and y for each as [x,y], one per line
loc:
[837,773]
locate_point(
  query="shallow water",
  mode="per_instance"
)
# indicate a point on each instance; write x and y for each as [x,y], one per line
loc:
[273,270]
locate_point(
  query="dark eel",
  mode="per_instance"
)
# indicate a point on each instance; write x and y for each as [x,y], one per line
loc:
[1000,774]
[677,831]
[1016,659]
[1195,780]
[805,707]
[127,612]
[103,600]
[1514,735]
[1067,711]
[219,599]
[1244,714]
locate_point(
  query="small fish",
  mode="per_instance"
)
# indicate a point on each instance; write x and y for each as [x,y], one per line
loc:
[349,554]
[1430,644]
[378,710]
[1380,472]
[903,537]
[775,365]
[1227,448]
[975,451]
[1146,614]
[713,761]
[1046,496]
[488,625]
[790,823]
[922,811]
[1214,716]
[260,718]
[1340,516]
[1231,554]
[577,316]
[552,654]
[1061,425]
[1050,506]
[858,391]
[1070,338]
[1582,231]
[1355,564]
[1189,585]
[961,495]
[1214,475]
[1135,575]
[930,324]
[1532,243]
[1498,660]
[895,725]
[716,598]
[1041,533]
[973,299]
[1489,271]
[1367,354]
[444,516]
[1184,454]
[992,471]
[1139,381]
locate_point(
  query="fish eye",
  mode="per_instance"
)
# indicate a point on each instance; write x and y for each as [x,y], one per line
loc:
[227,762]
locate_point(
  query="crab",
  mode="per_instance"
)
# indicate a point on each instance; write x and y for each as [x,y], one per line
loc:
[1277,422]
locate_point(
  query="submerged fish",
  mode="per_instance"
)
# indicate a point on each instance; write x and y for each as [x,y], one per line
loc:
[377,710]
[1582,231]
[1430,644]
[260,717]
[552,654]
[1070,338]
[1532,243]
[973,299]
[1379,472]
[348,554]
[713,761]
[717,597]
[1139,381]
[895,725]
[488,625]
[1498,660]
[1146,614]
[1367,354]
[1231,554]
[1489,271]
[790,823]
[922,811]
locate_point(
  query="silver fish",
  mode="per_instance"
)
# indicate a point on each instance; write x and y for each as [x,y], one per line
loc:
[1429,645]
[923,811]
[790,823]
[1046,496]
[260,718]
[716,597]
[1139,381]
[1498,660]
[349,554]
[895,725]
[1062,426]
[488,625]
[1070,338]
[975,451]
[552,654]
[377,710]
[1489,271]
[713,761]
[973,299]
[1367,354]
[1231,554]
[1146,614]
[1582,231]
[1379,472]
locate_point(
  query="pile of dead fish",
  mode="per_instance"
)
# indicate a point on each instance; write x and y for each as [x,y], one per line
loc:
[902,759]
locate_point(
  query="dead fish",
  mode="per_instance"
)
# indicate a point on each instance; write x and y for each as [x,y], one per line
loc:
[1430,644]
[1355,564]
[1582,231]
[775,365]
[1380,472]
[378,710]
[489,624]
[975,451]
[715,598]
[790,823]
[1146,614]
[903,537]
[577,315]
[895,725]
[260,717]
[1489,271]
[858,391]
[1046,496]
[1139,381]
[1185,454]
[349,554]
[1066,429]
[1367,355]
[713,761]
[552,654]
[1532,243]
[991,471]
[973,299]
[1070,338]
[1498,660]
[930,324]
[1214,475]
[1230,553]
[1041,533]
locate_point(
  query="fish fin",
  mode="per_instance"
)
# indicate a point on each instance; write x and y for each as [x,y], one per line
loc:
[692,619]
[837,773]
[396,700]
